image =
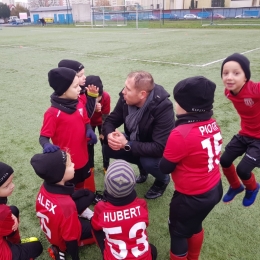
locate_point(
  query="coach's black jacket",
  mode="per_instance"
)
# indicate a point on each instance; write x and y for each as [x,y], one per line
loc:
[154,128]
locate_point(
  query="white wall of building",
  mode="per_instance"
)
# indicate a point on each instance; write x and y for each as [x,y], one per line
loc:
[241,3]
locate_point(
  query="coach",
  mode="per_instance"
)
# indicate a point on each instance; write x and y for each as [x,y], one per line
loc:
[147,114]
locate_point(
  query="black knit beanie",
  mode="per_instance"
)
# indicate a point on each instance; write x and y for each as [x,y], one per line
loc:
[5,172]
[195,94]
[243,62]
[50,166]
[71,64]
[96,81]
[60,79]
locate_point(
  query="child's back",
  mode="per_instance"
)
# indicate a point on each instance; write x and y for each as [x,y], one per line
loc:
[122,217]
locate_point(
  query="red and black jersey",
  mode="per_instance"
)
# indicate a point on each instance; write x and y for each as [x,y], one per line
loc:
[68,131]
[6,224]
[195,148]
[58,216]
[247,104]
[96,119]
[125,230]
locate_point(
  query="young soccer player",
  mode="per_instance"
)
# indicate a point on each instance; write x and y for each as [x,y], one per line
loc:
[119,223]
[192,155]
[102,110]
[66,122]
[58,207]
[10,241]
[88,93]
[245,96]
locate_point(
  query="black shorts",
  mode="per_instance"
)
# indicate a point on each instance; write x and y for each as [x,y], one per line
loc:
[240,144]
[187,212]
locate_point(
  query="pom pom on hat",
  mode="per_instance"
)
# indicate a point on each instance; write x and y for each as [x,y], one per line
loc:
[195,94]
[119,179]
[60,79]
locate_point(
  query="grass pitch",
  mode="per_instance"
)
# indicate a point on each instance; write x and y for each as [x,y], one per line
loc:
[170,55]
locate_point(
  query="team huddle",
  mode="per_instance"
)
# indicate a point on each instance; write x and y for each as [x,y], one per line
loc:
[188,149]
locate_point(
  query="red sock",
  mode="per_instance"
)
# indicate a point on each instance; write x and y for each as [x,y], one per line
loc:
[251,183]
[194,245]
[14,237]
[175,257]
[231,176]
[89,183]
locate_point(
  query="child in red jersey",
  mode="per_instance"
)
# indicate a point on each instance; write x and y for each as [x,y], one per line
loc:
[10,241]
[119,223]
[66,122]
[58,207]
[88,93]
[192,155]
[245,96]
[102,110]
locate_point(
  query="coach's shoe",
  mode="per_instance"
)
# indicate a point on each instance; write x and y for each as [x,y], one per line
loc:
[156,190]
[142,177]
[29,239]
[55,253]
[231,193]
[250,196]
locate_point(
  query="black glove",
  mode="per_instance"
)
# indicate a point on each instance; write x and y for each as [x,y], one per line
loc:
[50,148]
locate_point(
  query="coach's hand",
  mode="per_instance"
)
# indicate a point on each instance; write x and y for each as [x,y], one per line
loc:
[50,148]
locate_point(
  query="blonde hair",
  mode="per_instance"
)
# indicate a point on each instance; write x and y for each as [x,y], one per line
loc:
[143,80]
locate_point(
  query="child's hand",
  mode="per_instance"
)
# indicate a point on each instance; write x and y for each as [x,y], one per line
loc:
[15,226]
[98,107]
[91,89]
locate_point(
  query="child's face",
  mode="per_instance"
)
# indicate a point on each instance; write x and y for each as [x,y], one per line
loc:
[82,77]
[233,76]
[73,91]
[7,188]
[69,172]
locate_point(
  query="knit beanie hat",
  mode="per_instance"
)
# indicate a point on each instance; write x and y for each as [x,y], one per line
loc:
[71,64]
[60,79]
[243,62]
[195,94]
[50,166]
[96,81]
[119,179]
[5,172]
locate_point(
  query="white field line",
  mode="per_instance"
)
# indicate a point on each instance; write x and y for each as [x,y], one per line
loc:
[210,63]
[131,59]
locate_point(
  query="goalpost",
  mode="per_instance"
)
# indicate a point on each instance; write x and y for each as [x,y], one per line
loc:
[132,16]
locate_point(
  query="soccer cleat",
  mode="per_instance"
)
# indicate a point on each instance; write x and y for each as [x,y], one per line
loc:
[157,189]
[231,193]
[250,196]
[29,239]
[98,197]
[55,253]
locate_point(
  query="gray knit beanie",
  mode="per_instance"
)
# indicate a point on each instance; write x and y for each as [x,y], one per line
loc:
[119,179]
